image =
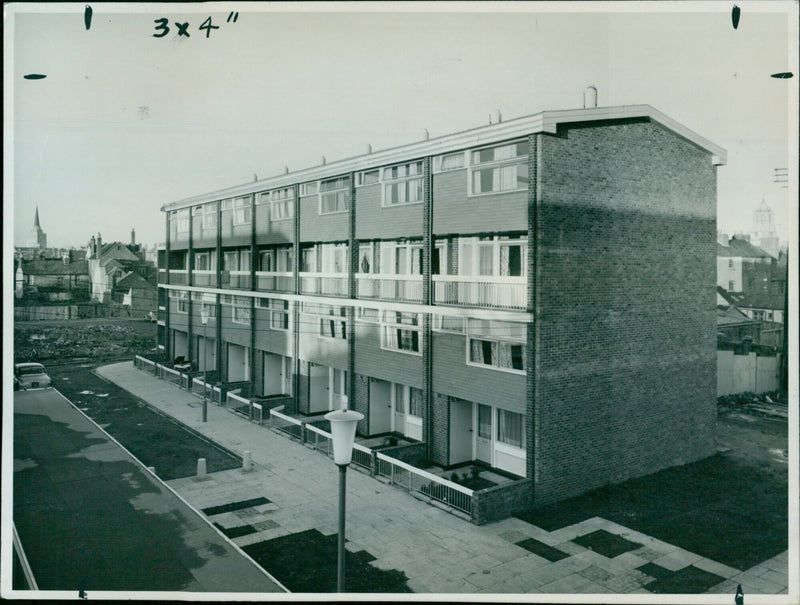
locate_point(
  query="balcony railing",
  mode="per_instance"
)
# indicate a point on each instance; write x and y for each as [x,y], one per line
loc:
[493,292]
[203,277]
[328,284]
[390,287]
[179,277]
[275,281]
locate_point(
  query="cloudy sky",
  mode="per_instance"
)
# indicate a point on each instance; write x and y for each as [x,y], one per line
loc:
[125,121]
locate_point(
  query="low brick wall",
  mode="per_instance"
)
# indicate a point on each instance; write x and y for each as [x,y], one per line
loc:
[412,453]
[501,501]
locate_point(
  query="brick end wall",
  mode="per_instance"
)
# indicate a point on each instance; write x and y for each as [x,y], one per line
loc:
[360,402]
[440,442]
[626,359]
[495,503]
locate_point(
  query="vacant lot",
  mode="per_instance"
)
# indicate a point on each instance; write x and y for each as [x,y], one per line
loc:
[732,507]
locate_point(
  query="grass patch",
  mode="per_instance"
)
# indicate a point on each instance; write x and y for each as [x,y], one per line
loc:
[719,508]
[605,543]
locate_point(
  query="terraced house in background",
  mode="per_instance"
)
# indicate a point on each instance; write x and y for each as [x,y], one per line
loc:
[537,295]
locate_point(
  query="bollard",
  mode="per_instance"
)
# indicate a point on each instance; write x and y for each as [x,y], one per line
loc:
[201,467]
[247,462]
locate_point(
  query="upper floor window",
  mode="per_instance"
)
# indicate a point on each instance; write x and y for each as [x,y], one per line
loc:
[181,219]
[242,211]
[281,203]
[205,216]
[236,260]
[369,315]
[203,261]
[182,300]
[241,310]
[449,161]
[308,188]
[400,331]
[279,259]
[497,344]
[207,303]
[499,168]
[367,177]
[500,256]
[448,323]
[730,263]
[333,195]
[279,312]
[402,184]
[366,258]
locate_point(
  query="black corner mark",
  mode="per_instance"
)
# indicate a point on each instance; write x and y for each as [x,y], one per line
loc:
[784,75]
[34,76]
[735,13]
[87,17]
[739,595]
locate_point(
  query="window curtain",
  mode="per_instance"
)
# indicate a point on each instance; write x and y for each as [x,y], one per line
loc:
[415,408]
[503,355]
[509,428]
[486,258]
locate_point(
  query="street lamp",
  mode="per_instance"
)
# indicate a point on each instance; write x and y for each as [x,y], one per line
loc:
[343,431]
[204,319]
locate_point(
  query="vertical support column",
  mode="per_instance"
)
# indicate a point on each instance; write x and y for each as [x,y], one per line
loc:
[531,383]
[218,327]
[296,303]
[167,339]
[352,290]
[427,341]
[252,298]
[190,282]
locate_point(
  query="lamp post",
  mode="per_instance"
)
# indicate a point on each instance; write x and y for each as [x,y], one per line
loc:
[204,319]
[343,431]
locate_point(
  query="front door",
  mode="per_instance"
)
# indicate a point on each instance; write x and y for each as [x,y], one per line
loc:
[338,384]
[318,394]
[273,374]
[460,431]
[483,435]
[380,406]
[400,406]
[238,363]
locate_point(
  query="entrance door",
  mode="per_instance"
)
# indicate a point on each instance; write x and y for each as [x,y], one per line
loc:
[318,395]
[338,383]
[400,407]
[206,353]
[238,363]
[483,437]
[460,431]
[273,374]
[380,406]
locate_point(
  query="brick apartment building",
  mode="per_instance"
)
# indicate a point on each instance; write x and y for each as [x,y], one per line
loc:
[537,295]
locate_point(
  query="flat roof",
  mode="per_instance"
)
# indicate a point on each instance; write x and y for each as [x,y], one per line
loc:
[545,121]
[90,516]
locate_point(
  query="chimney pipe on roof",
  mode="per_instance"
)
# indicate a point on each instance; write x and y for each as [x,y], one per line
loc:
[425,134]
[495,117]
[133,237]
[323,160]
[369,148]
[590,97]
[285,170]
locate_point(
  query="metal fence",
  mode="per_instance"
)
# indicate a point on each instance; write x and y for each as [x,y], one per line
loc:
[362,456]
[286,424]
[417,481]
[320,440]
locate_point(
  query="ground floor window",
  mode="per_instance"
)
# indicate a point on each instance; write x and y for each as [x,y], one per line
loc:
[510,428]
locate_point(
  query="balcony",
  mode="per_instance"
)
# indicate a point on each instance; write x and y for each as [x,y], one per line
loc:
[162,276]
[179,277]
[275,281]
[323,284]
[390,287]
[238,280]
[204,278]
[491,292]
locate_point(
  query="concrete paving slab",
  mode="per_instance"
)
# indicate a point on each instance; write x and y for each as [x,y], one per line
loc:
[678,559]
[758,584]
[716,568]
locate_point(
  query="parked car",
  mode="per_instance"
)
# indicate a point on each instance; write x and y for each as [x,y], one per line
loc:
[30,376]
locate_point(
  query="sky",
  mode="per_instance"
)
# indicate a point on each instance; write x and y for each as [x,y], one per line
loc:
[125,121]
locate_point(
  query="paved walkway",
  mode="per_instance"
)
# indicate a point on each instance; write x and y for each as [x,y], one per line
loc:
[439,552]
[91,517]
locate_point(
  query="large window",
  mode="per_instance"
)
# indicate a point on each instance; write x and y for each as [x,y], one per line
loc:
[183,301]
[493,255]
[333,194]
[497,344]
[242,211]
[400,331]
[202,261]
[205,216]
[181,220]
[402,184]
[241,310]
[368,177]
[510,428]
[281,204]
[415,402]
[279,315]
[499,168]
[331,320]
[207,304]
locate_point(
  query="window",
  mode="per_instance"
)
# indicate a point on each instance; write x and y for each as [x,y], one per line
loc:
[368,177]
[368,315]
[333,194]
[308,188]
[484,421]
[497,255]
[207,302]
[500,168]
[448,323]
[401,332]
[181,218]
[333,257]
[402,184]
[731,286]
[279,317]
[450,161]
[281,204]
[510,428]
[308,260]
[366,258]
[242,211]
[202,261]
[730,263]
[241,310]
[415,402]
[205,216]
[183,302]
[497,344]
[330,327]
[236,260]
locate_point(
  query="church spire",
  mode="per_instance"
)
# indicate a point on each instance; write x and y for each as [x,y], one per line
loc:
[36,219]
